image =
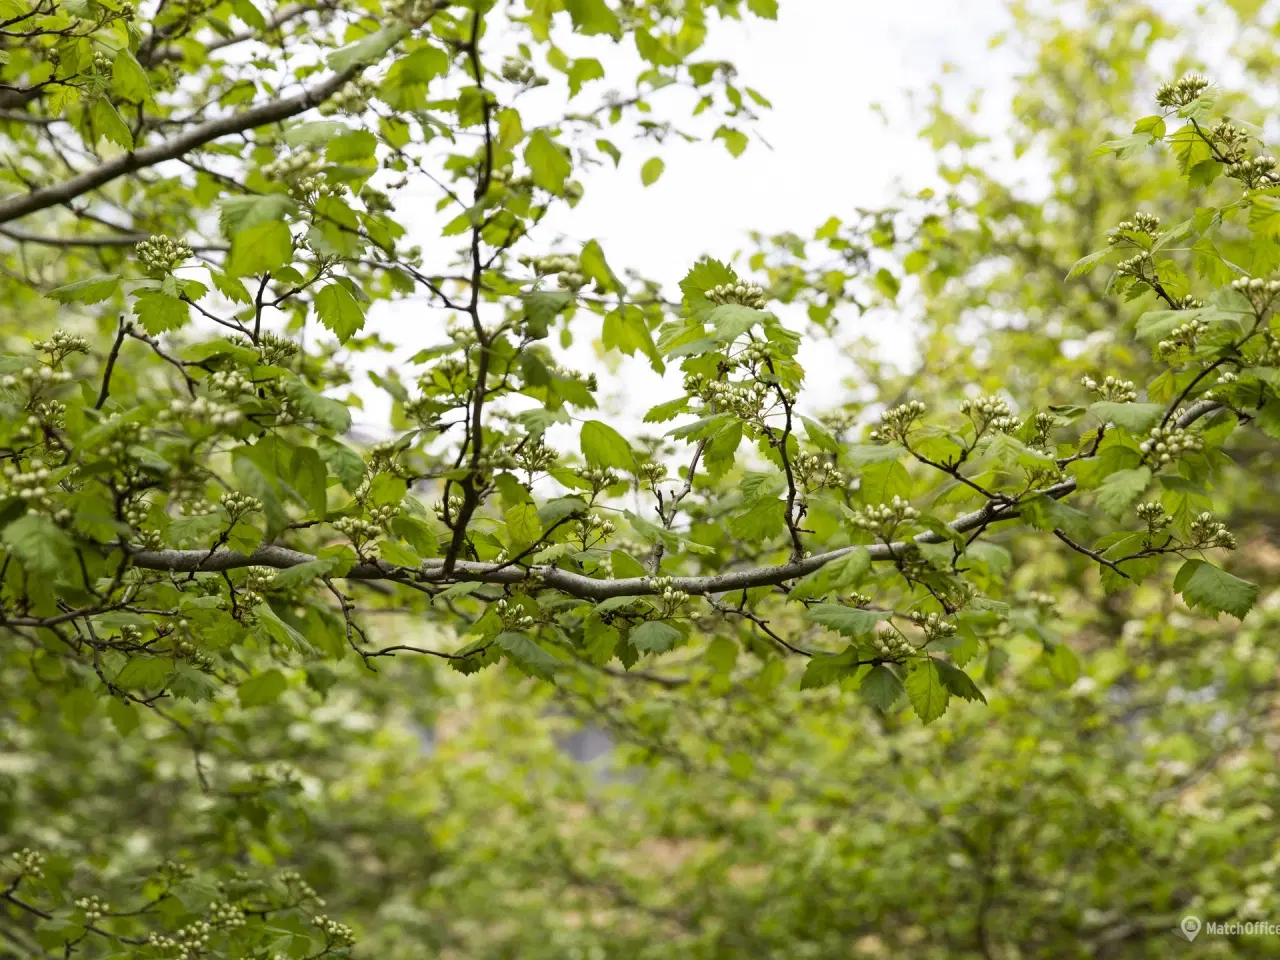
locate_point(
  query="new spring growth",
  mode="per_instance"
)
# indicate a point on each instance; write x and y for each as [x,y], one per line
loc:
[1231,140]
[653,472]
[336,934]
[1117,391]
[1260,172]
[1182,337]
[1133,266]
[1260,292]
[275,350]
[594,529]
[934,625]
[891,645]
[239,504]
[1166,444]
[599,477]
[672,599]
[513,616]
[990,412]
[884,518]
[1206,532]
[1154,516]
[60,345]
[567,268]
[744,400]
[230,383]
[536,457]
[162,254]
[35,378]
[1143,223]
[813,472]
[896,422]
[201,410]
[1181,92]
[1043,423]
[93,908]
[747,294]
[30,863]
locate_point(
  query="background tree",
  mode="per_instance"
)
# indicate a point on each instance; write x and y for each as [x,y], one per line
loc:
[244,658]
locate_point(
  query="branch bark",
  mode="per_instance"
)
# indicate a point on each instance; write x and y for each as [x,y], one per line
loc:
[11,208]
[587,588]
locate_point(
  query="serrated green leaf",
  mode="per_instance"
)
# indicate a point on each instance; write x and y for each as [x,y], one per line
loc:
[849,621]
[262,689]
[1212,589]
[925,689]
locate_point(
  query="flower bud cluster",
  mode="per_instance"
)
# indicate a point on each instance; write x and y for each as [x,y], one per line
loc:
[671,598]
[747,294]
[744,400]
[518,71]
[194,655]
[1183,336]
[259,578]
[224,914]
[814,472]
[1260,292]
[230,383]
[274,350]
[652,472]
[384,457]
[755,354]
[1133,266]
[1113,389]
[568,267]
[33,484]
[513,616]
[353,98]
[934,625]
[1166,444]
[535,456]
[600,478]
[102,63]
[454,507]
[1255,173]
[311,188]
[35,378]
[1206,532]
[239,504]
[594,528]
[94,909]
[336,934]
[60,345]
[161,254]
[896,422]
[292,880]
[1141,223]
[1043,424]
[356,529]
[891,645]
[293,166]
[30,863]
[883,518]
[202,410]
[1183,91]
[1231,139]
[990,411]
[1154,516]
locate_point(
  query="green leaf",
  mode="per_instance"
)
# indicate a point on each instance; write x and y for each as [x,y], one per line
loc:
[262,689]
[881,687]
[280,631]
[1137,418]
[92,290]
[128,79]
[762,522]
[766,9]
[108,123]
[925,689]
[367,49]
[302,573]
[1120,489]
[1086,263]
[603,446]
[840,574]
[583,70]
[43,547]
[655,636]
[528,656]
[343,462]
[548,164]
[591,17]
[523,525]
[540,310]
[652,170]
[1064,666]
[329,413]
[824,669]
[849,621]
[1212,589]
[735,141]
[159,312]
[958,682]
[144,673]
[260,249]
[339,311]
[1045,513]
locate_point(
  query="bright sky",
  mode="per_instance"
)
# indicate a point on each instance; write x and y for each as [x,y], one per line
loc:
[823,64]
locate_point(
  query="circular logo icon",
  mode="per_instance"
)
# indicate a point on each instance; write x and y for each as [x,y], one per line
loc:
[1190,927]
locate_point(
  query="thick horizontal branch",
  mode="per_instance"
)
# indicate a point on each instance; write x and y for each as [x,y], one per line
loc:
[286,14]
[113,240]
[14,207]
[588,588]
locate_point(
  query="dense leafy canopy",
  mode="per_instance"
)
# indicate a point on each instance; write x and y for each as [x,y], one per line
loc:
[965,666]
